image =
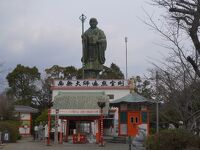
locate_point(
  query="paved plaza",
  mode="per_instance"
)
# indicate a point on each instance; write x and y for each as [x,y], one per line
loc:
[29,144]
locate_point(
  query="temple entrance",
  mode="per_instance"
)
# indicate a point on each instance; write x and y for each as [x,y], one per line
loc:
[85,127]
[82,129]
[72,127]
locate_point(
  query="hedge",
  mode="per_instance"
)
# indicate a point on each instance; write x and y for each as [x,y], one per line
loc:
[12,128]
[177,139]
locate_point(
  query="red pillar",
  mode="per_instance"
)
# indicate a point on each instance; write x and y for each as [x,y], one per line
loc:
[101,129]
[97,131]
[61,136]
[67,131]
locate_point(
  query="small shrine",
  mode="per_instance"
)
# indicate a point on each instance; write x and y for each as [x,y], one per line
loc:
[132,113]
[25,117]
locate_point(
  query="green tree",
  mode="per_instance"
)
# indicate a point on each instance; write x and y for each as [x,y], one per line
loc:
[43,117]
[6,107]
[80,73]
[22,82]
[55,72]
[113,72]
[70,72]
[58,72]
[144,87]
[43,99]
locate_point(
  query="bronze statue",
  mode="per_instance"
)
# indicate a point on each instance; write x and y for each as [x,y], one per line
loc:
[94,46]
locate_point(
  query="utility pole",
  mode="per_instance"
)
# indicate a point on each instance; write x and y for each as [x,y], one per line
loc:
[126,40]
[157,103]
[83,18]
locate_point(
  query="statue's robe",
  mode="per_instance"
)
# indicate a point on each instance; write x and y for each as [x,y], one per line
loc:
[94,46]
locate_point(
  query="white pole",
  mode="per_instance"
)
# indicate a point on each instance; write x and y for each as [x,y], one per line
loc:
[126,40]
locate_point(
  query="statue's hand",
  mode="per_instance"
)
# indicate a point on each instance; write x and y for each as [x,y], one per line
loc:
[101,40]
[83,37]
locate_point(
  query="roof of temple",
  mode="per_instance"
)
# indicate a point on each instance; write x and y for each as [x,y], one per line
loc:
[131,98]
[25,109]
[80,100]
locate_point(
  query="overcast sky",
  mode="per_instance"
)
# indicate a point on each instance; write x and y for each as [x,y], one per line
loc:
[43,33]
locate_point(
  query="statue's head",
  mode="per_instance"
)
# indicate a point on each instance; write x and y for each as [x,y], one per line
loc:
[93,22]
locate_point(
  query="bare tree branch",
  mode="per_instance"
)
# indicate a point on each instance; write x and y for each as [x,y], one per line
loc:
[183,11]
[194,65]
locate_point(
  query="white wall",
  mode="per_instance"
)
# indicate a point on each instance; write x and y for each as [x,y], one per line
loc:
[24,130]
[25,116]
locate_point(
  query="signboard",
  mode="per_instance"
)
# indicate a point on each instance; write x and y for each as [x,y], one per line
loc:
[56,112]
[76,112]
[123,129]
[23,130]
[90,83]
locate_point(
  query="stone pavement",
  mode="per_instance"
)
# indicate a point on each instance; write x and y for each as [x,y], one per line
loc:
[29,144]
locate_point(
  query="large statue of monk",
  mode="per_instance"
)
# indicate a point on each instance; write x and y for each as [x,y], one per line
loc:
[94,46]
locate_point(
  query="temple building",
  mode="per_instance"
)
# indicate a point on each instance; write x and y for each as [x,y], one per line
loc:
[77,104]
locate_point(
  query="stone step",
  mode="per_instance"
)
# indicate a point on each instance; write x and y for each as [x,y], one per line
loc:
[117,140]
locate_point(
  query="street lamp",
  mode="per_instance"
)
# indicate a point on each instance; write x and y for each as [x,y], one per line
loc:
[83,18]
[126,40]
[101,103]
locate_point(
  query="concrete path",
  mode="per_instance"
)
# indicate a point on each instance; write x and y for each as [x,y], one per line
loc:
[29,144]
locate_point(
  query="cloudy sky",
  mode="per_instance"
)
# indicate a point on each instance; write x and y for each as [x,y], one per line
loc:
[43,33]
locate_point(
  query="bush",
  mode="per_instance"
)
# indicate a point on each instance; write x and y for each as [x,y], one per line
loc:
[42,118]
[177,139]
[12,128]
